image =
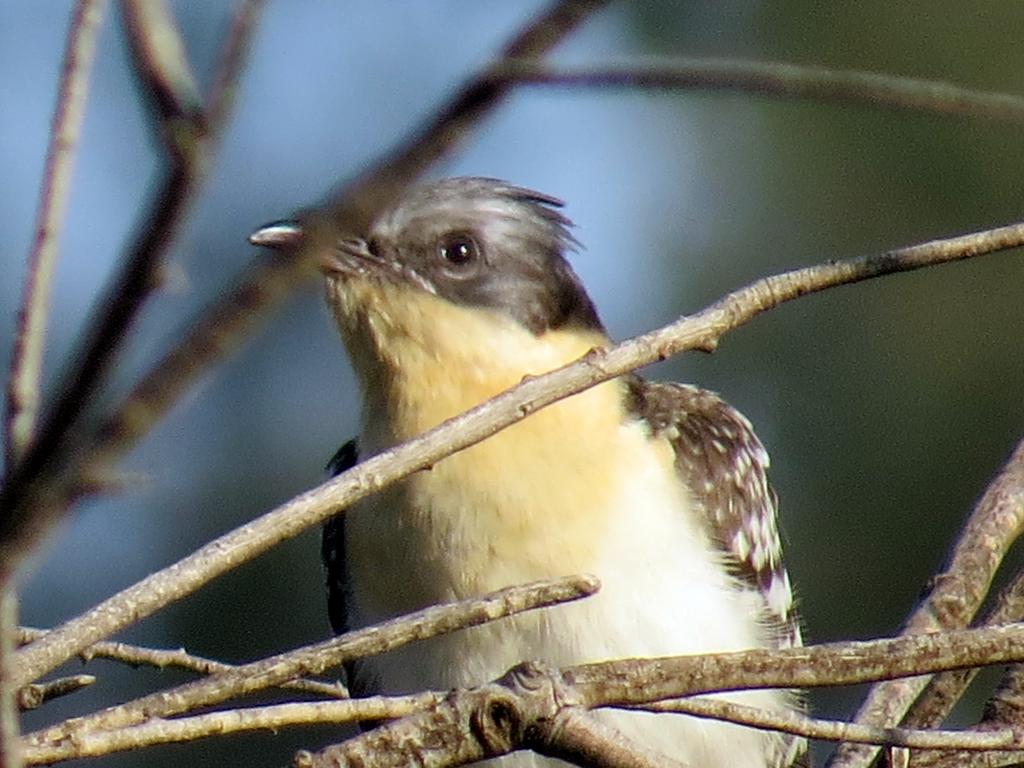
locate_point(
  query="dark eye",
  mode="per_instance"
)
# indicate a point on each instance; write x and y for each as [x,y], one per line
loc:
[458,249]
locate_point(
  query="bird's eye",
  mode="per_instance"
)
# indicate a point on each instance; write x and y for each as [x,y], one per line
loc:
[458,249]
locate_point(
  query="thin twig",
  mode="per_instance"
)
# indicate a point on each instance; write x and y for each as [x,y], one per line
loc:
[315,659]
[138,656]
[635,681]
[700,331]
[27,361]
[158,53]
[40,487]
[832,730]
[777,80]
[272,717]
[35,695]
[221,96]
[956,596]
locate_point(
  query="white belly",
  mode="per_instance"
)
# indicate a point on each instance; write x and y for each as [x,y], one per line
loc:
[664,592]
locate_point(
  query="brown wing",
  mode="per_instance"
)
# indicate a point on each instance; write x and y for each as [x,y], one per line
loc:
[725,466]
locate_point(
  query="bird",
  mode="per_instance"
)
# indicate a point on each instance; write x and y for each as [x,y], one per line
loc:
[455,293]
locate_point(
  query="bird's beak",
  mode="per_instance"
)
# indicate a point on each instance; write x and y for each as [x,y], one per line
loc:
[279,235]
[350,256]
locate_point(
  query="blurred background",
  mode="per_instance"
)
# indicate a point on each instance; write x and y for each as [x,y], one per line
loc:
[887,406]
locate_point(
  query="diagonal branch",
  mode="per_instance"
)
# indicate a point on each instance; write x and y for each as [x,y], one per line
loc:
[792,81]
[96,743]
[700,331]
[138,656]
[315,659]
[39,488]
[830,730]
[27,362]
[956,596]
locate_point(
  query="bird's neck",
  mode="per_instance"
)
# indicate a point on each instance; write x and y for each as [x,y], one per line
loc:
[422,360]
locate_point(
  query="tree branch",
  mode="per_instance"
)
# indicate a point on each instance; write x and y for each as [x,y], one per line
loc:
[831,730]
[40,487]
[700,331]
[27,361]
[530,707]
[315,659]
[96,743]
[137,656]
[776,80]
[501,717]
[956,595]
[35,695]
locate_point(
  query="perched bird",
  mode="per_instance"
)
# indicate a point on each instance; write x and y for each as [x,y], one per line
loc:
[454,295]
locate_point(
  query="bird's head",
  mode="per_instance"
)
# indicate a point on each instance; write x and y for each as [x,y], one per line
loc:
[466,276]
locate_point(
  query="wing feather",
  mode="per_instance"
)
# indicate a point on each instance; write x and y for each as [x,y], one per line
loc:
[725,467]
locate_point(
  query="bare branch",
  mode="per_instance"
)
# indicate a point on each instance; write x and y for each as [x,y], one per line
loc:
[27,362]
[635,681]
[138,656]
[316,659]
[160,59]
[222,93]
[35,695]
[41,486]
[700,331]
[10,724]
[945,690]
[777,80]
[495,719]
[531,707]
[956,595]
[273,717]
[832,730]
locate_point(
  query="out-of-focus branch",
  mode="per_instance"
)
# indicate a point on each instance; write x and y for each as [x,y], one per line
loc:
[40,487]
[138,656]
[221,97]
[316,659]
[27,362]
[700,331]
[158,54]
[956,596]
[794,81]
